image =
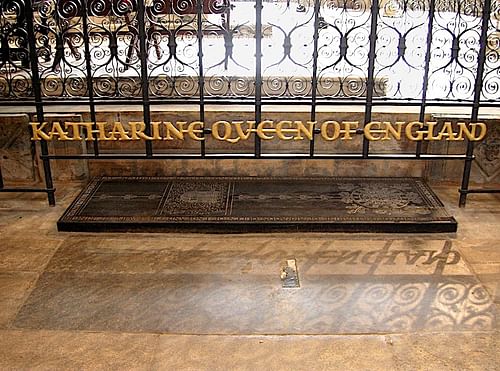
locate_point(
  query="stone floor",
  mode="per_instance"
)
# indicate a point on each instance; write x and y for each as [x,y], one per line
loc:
[187,301]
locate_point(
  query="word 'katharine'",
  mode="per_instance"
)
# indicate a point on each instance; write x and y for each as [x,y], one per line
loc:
[234,131]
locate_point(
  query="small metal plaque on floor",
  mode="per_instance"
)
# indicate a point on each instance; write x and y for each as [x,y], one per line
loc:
[238,205]
[289,274]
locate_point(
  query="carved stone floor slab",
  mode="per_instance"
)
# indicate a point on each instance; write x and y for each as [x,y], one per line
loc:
[228,204]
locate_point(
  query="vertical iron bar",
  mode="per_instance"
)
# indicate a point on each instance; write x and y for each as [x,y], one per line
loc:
[146,106]
[90,81]
[314,84]
[201,78]
[478,87]
[425,85]
[370,86]
[37,90]
[258,71]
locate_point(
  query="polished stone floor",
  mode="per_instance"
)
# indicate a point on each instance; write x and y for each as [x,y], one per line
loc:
[189,301]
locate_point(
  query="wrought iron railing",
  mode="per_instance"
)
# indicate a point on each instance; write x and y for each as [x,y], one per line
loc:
[180,50]
[387,52]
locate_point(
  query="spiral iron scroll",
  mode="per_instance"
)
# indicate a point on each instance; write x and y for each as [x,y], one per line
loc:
[288,27]
[401,48]
[173,48]
[229,49]
[59,41]
[491,77]
[15,72]
[455,49]
[114,48]
[228,45]
[343,48]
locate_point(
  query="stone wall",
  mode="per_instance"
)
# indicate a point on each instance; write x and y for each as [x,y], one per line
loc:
[486,166]
[281,168]
[17,154]
[20,163]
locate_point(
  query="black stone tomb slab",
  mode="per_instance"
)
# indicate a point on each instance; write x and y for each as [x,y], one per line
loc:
[245,204]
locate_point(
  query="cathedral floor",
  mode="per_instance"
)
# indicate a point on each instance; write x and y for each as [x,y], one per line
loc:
[174,301]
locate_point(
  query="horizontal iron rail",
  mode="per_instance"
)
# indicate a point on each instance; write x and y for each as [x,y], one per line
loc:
[265,156]
[229,101]
[480,191]
[21,189]
[42,102]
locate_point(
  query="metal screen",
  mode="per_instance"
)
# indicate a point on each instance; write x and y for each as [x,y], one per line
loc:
[315,52]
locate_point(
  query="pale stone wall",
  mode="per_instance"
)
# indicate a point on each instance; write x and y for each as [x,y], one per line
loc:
[18,164]
[486,166]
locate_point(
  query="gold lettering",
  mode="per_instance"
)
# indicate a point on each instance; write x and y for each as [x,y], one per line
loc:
[101,130]
[484,130]
[447,131]
[471,134]
[177,131]
[349,128]
[280,130]
[155,127]
[192,131]
[262,130]
[325,133]
[89,130]
[38,133]
[75,130]
[120,131]
[418,135]
[137,131]
[227,131]
[395,132]
[267,129]
[430,131]
[369,131]
[239,129]
[58,131]
[302,129]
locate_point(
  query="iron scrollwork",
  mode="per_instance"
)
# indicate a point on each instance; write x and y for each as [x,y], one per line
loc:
[229,48]
[287,27]
[224,33]
[401,48]
[343,48]
[491,77]
[455,49]
[59,41]
[15,73]
[173,48]
[114,48]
